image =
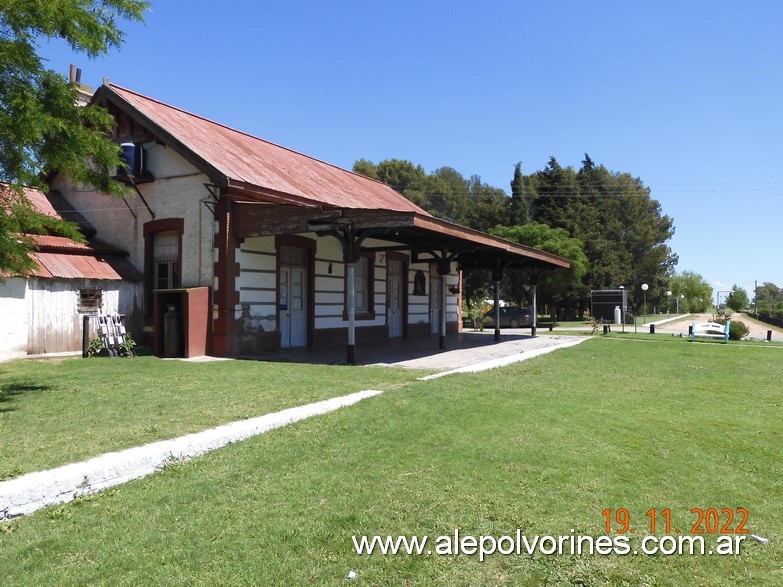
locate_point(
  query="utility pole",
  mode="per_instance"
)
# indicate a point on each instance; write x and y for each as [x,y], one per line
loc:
[756,298]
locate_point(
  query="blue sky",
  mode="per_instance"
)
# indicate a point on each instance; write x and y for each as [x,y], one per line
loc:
[688,96]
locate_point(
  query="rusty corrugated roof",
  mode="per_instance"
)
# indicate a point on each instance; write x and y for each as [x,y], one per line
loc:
[67,266]
[58,256]
[60,242]
[37,199]
[250,162]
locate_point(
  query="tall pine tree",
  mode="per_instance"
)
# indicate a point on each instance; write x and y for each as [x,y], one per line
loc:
[518,212]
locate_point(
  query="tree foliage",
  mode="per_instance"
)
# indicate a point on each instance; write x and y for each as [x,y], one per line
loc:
[41,127]
[738,299]
[622,231]
[20,223]
[518,207]
[444,193]
[554,285]
[697,292]
[768,299]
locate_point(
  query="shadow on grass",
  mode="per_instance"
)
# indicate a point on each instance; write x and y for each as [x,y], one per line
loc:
[9,391]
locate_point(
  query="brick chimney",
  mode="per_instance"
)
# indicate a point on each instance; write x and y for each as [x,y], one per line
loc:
[85,92]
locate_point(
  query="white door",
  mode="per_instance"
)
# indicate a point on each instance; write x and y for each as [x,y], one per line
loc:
[435,305]
[293,306]
[394,298]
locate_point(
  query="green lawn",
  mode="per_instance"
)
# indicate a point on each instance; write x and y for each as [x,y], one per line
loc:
[544,446]
[60,412]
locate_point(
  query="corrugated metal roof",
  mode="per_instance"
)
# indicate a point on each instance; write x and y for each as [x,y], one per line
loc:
[62,257]
[84,266]
[246,160]
[37,199]
[58,256]
[59,242]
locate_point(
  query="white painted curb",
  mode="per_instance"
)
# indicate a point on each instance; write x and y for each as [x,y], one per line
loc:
[24,495]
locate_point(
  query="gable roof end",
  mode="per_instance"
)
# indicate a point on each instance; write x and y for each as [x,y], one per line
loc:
[255,166]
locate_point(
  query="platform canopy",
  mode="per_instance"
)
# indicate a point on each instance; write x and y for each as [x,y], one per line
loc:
[426,237]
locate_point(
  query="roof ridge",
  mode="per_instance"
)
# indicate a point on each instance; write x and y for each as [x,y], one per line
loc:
[243,133]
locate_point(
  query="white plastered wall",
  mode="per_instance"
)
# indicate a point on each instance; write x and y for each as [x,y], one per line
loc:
[177,192]
[40,315]
[257,285]
[14,320]
[257,281]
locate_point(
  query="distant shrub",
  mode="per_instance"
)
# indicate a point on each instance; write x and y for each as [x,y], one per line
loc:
[737,329]
[476,314]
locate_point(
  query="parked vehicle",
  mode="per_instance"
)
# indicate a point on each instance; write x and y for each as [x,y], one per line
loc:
[510,317]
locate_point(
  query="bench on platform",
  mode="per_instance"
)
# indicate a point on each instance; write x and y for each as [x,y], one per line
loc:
[710,330]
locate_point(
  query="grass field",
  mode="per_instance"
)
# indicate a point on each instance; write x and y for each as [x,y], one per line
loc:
[60,412]
[543,446]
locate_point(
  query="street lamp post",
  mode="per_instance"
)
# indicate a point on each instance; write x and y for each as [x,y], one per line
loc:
[622,313]
[682,297]
[668,301]
[645,287]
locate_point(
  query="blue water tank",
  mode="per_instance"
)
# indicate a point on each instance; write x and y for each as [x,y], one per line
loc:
[129,159]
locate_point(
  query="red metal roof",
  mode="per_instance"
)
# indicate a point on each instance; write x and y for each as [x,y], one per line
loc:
[37,199]
[58,256]
[40,202]
[68,266]
[60,242]
[255,164]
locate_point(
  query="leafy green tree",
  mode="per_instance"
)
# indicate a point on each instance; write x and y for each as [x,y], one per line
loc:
[738,299]
[401,175]
[555,189]
[20,222]
[41,127]
[488,205]
[451,203]
[518,212]
[367,168]
[645,232]
[601,228]
[445,193]
[555,285]
[768,298]
[697,292]
[623,229]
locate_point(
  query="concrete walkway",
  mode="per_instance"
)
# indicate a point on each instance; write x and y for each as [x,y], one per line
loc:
[464,348]
[28,493]
[484,350]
